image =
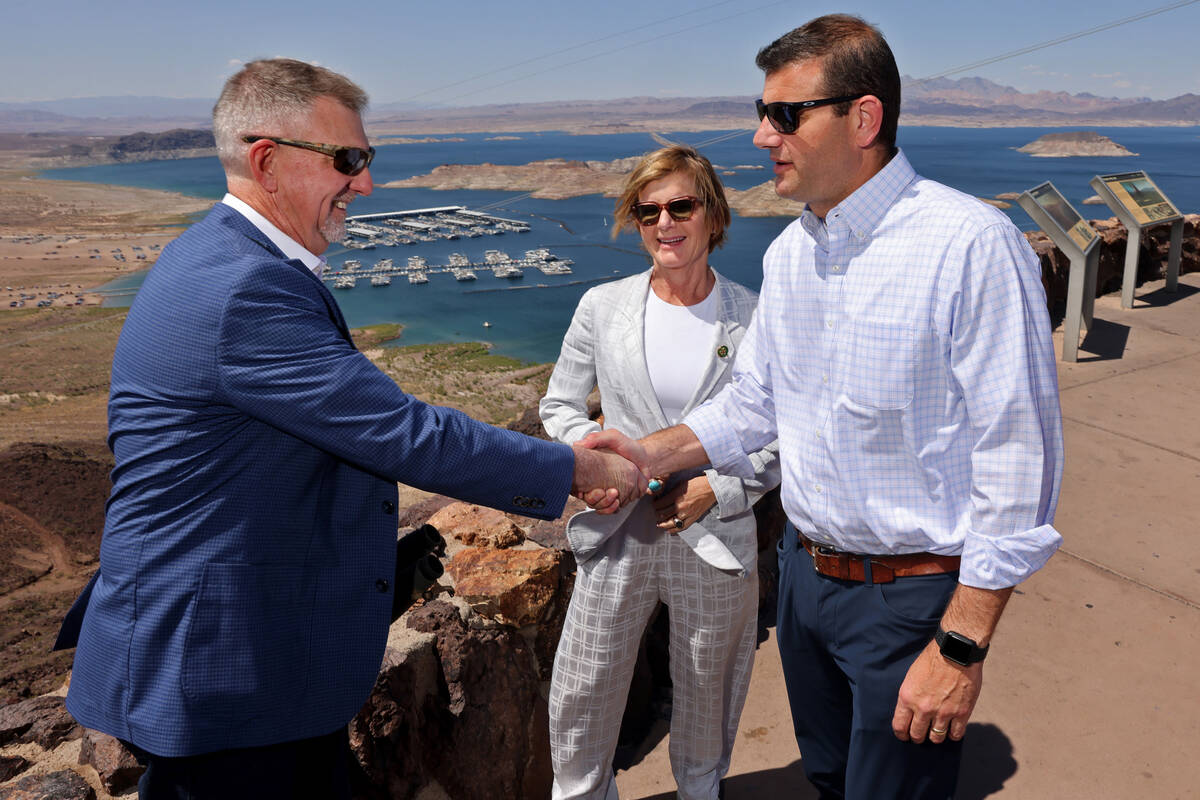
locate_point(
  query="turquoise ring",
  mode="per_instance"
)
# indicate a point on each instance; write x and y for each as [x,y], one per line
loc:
[654,485]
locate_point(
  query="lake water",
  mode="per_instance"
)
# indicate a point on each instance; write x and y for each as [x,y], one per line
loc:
[528,321]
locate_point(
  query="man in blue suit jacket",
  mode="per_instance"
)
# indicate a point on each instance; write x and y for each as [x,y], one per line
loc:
[239,615]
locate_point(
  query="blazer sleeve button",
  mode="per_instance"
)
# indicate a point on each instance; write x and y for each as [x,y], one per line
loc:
[381,585]
[389,507]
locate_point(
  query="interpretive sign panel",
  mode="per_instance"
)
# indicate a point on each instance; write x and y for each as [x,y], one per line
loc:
[1072,225]
[1140,197]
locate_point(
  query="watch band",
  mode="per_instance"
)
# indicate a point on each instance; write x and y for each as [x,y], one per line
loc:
[962,650]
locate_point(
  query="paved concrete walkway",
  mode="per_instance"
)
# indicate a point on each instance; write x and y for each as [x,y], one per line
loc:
[1092,688]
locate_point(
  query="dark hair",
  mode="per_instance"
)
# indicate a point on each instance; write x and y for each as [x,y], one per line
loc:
[264,97]
[664,162]
[856,60]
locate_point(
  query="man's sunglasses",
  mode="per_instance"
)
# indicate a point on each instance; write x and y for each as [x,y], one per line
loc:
[680,209]
[785,117]
[346,160]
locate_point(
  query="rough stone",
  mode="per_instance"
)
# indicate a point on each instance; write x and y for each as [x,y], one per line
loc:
[117,767]
[402,718]
[418,513]
[63,785]
[553,532]
[43,720]
[11,766]
[477,526]
[456,712]
[514,586]
[530,424]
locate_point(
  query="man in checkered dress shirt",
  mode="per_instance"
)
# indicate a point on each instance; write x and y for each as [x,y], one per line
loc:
[901,354]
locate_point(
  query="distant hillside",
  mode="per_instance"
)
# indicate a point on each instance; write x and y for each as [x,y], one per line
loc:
[941,101]
[140,146]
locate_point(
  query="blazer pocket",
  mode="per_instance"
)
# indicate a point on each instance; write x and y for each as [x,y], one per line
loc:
[881,370]
[247,639]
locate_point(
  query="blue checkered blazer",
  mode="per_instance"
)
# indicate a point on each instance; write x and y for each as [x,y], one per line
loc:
[243,595]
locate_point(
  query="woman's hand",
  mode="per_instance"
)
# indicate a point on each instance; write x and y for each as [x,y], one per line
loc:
[683,505]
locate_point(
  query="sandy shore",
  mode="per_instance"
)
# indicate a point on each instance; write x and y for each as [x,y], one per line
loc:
[66,237]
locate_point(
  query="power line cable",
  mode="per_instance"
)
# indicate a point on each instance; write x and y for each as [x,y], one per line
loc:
[625,47]
[567,49]
[1060,40]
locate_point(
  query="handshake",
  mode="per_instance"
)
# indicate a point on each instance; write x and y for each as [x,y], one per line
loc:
[611,470]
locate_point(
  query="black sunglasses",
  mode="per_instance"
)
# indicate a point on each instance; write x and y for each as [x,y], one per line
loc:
[346,160]
[785,117]
[680,209]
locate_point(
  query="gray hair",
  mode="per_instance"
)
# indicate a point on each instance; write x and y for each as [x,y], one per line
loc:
[266,96]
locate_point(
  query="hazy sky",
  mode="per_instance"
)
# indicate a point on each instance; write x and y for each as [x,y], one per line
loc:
[469,53]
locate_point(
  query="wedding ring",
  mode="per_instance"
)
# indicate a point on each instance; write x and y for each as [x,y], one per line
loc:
[938,731]
[678,522]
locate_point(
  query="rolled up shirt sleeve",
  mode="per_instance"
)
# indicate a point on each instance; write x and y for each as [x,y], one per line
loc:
[1002,358]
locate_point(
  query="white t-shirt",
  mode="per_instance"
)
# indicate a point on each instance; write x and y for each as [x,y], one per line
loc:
[679,341]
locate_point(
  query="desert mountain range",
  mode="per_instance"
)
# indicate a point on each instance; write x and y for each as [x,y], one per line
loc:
[943,101]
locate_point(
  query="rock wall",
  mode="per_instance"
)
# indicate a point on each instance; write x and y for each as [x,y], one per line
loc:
[1152,261]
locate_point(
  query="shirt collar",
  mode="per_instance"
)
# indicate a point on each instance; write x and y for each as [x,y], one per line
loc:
[867,204]
[286,244]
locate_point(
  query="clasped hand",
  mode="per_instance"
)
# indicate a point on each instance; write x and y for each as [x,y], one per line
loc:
[611,470]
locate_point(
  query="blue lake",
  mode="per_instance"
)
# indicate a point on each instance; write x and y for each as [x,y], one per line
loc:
[528,321]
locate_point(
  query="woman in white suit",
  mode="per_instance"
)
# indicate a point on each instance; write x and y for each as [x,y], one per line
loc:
[658,344]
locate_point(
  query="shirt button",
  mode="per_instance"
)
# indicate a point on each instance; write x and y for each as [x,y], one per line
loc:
[819,436]
[837,267]
[829,323]
[381,585]
[817,489]
[388,507]
[825,379]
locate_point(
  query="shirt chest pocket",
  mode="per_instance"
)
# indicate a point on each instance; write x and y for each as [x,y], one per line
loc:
[880,371]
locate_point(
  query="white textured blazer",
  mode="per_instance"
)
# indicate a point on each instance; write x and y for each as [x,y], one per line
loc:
[605,347]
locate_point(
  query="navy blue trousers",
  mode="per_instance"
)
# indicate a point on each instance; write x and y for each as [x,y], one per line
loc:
[845,648]
[306,769]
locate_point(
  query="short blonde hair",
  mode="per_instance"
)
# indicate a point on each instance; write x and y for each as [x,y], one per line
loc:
[664,162]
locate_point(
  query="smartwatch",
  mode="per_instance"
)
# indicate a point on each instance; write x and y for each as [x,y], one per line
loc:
[960,649]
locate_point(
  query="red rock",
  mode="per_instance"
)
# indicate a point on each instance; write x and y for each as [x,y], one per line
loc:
[117,767]
[477,526]
[514,586]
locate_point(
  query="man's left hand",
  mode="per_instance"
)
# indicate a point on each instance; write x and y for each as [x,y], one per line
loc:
[936,698]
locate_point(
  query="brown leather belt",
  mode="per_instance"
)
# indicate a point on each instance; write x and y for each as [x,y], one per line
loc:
[884,569]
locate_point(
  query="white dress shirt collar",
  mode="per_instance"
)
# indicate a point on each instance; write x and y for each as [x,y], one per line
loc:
[289,246]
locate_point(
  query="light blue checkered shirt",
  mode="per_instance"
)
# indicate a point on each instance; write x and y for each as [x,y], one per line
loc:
[901,353]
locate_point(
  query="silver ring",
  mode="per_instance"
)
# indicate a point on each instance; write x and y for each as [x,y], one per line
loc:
[678,522]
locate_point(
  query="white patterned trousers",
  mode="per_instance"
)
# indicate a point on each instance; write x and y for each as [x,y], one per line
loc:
[713,617]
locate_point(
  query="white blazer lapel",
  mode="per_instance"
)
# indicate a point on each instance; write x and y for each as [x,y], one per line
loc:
[633,345]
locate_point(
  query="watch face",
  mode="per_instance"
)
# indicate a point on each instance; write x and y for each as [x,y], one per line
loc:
[957,648]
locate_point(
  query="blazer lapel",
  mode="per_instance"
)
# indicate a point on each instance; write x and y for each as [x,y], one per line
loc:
[633,343]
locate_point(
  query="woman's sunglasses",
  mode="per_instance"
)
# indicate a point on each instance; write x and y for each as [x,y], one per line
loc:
[785,117]
[680,209]
[346,160]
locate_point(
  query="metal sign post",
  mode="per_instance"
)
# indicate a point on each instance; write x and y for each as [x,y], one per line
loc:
[1139,204]
[1068,230]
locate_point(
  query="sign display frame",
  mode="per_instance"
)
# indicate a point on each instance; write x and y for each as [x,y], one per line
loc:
[1067,228]
[1138,203]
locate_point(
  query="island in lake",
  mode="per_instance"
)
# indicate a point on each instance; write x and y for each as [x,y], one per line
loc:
[1074,143]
